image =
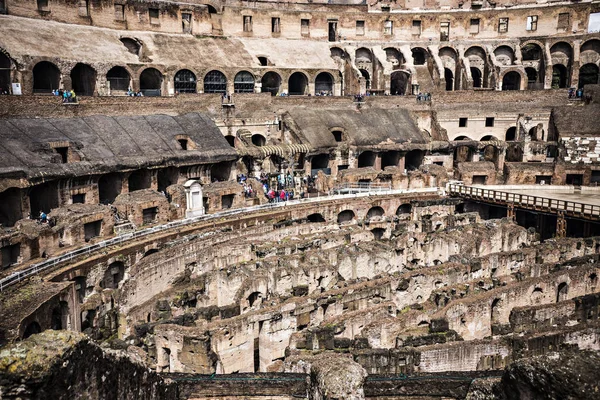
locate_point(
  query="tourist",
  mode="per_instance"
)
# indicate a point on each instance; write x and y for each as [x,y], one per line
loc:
[43,217]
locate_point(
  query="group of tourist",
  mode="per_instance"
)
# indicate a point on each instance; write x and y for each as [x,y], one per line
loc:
[4,91]
[132,93]
[423,97]
[575,93]
[67,96]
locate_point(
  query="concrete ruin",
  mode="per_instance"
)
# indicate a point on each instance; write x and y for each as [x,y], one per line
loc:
[320,200]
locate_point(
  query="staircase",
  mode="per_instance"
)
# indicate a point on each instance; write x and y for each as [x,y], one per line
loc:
[424,78]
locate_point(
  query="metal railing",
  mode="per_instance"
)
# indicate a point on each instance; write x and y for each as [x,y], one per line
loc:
[362,187]
[527,201]
[88,250]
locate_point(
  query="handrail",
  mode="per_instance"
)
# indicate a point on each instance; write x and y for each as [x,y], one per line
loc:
[52,262]
[526,200]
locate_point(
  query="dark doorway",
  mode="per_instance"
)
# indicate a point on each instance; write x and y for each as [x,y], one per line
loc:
[5,66]
[419,56]
[185,81]
[215,82]
[449,77]
[366,159]
[109,187]
[46,77]
[92,230]
[588,75]
[511,81]
[141,179]
[399,83]
[151,82]
[367,77]
[297,84]
[243,82]
[414,159]
[149,215]
[166,177]
[32,329]
[574,179]
[11,210]
[476,75]
[43,197]
[559,76]
[532,76]
[511,134]
[10,255]
[118,79]
[324,83]
[227,201]
[270,82]
[83,78]
[390,159]
[345,216]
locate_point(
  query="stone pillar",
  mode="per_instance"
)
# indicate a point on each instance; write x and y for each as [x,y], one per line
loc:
[194,199]
[561,225]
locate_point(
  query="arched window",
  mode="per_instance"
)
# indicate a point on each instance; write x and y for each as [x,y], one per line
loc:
[151,82]
[46,77]
[258,140]
[324,83]
[588,75]
[476,75]
[118,78]
[367,77]
[449,77]
[298,84]
[243,82]
[345,216]
[511,134]
[511,81]
[270,83]
[375,213]
[83,78]
[559,76]
[185,81]
[419,56]
[399,83]
[215,82]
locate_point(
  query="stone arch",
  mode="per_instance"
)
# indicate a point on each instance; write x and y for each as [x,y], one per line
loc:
[337,52]
[477,77]
[449,78]
[588,75]
[375,213]
[114,274]
[399,81]
[298,84]
[270,83]
[151,81]
[149,252]
[560,76]
[419,55]
[495,311]
[316,217]
[259,140]
[394,57]
[83,79]
[31,329]
[324,83]
[378,233]
[365,74]
[404,209]
[505,55]
[511,81]
[511,134]
[462,138]
[366,159]
[449,60]
[477,65]
[345,216]
[537,295]
[463,154]
[185,81]
[215,81]
[319,161]
[488,138]
[363,55]
[561,53]
[118,78]
[532,57]
[531,51]
[46,77]
[243,82]
[134,46]
[491,153]
[562,290]
[590,52]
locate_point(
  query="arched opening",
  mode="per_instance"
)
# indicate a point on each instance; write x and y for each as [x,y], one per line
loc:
[215,82]
[109,187]
[5,67]
[140,179]
[490,153]
[319,161]
[345,216]
[366,159]
[149,252]
[390,159]
[532,76]
[514,153]
[419,56]
[495,311]
[399,83]
[559,76]
[113,275]
[316,217]
[338,136]
[220,172]
[531,52]
[324,84]
[588,75]
[46,77]
[462,138]
[83,78]
[211,9]
[32,329]
[511,81]
[476,75]
[150,82]
[375,214]
[488,138]
[378,233]
[230,139]
[463,154]
[43,197]
[365,74]
[59,318]
[404,209]
[270,83]
[394,57]
[185,81]
[533,134]
[243,82]
[166,177]
[259,140]
[505,55]
[537,296]
[449,77]
[414,159]
[254,298]
[562,291]
[298,84]
[118,79]
[511,134]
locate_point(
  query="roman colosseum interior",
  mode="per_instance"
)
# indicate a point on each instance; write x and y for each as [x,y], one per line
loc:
[309,199]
